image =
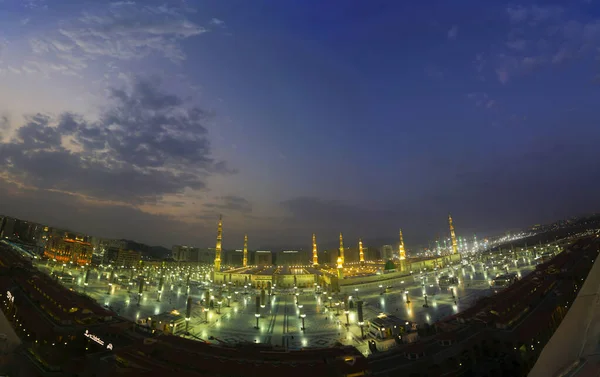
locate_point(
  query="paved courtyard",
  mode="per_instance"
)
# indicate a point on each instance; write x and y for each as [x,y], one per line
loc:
[280,322]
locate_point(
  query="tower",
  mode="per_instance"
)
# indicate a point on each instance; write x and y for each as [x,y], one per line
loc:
[340,268]
[452,236]
[402,252]
[218,246]
[341,254]
[340,259]
[315,255]
[361,254]
[245,260]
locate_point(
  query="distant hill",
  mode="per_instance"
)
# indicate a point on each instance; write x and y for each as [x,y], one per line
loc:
[152,252]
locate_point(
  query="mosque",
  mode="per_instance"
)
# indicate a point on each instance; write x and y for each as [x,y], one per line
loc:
[332,277]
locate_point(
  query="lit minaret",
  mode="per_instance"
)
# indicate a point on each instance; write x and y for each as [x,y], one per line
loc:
[218,247]
[341,248]
[452,236]
[361,254]
[340,259]
[402,252]
[245,261]
[315,255]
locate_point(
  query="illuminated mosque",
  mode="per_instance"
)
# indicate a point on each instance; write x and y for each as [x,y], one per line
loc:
[332,275]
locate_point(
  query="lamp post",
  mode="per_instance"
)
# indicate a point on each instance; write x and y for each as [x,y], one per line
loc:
[337,305]
[228,301]
[356,290]
[347,312]
[257,313]
[359,313]
[425,305]
[141,290]
[219,306]
[407,299]
[188,313]
[303,316]
[330,298]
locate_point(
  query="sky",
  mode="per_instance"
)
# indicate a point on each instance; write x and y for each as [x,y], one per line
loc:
[148,120]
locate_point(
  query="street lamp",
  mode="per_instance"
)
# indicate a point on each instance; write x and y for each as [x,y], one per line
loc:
[303,316]
[228,300]
[356,290]
[362,332]
[347,312]
[257,315]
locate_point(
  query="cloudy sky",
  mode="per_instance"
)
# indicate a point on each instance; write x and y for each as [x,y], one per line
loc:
[147,120]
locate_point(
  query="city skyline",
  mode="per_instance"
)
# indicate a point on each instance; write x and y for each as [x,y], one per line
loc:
[148,121]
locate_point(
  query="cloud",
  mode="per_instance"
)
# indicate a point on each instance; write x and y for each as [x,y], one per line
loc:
[433,72]
[533,14]
[231,203]
[217,22]
[481,99]
[541,35]
[519,44]
[518,14]
[123,31]
[333,216]
[4,125]
[453,32]
[145,145]
[104,220]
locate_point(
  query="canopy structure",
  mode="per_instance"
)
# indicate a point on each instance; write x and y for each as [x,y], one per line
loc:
[574,349]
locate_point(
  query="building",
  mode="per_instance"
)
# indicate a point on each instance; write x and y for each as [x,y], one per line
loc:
[263,258]
[386,326]
[7,228]
[121,257]
[293,258]
[234,257]
[387,252]
[328,256]
[182,253]
[66,249]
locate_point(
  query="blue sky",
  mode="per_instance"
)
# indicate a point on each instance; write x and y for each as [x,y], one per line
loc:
[147,120]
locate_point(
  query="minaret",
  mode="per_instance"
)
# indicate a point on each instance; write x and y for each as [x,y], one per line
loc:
[218,247]
[341,254]
[361,254]
[452,236]
[402,252]
[245,261]
[315,255]
[340,259]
